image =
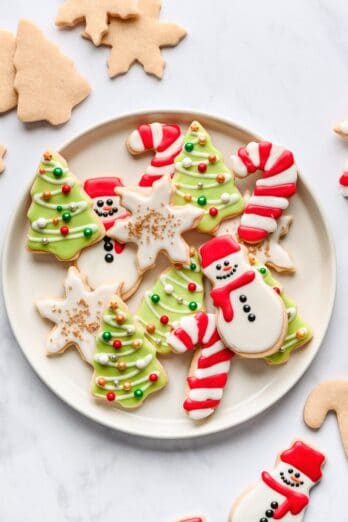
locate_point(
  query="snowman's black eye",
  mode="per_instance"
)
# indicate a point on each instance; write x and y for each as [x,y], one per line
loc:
[218,267]
[109,202]
[226,263]
[297,475]
[100,203]
[290,470]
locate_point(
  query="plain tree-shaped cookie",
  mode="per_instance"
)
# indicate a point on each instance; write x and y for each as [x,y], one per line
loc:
[96,14]
[47,82]
[329,396]
[8,95]
[140,40]
[2,154]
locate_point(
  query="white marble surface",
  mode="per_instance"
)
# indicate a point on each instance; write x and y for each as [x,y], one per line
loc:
[280,68]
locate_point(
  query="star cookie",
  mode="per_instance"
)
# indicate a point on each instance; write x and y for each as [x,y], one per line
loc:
[77,317]
[140,40]
[155,225]
[95,13]
[2,154]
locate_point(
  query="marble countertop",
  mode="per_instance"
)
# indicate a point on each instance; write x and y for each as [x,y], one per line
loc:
[281,70]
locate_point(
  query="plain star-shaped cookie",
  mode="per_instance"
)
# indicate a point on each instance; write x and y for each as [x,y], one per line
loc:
[140,40]
[2,154]
[155,225]
[96,14]
[77,317]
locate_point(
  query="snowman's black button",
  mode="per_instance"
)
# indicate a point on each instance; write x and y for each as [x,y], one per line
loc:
[274,505]
[246,308]
[109,258]
[108,247]
[251,317]
[269,513]
[243,298]
[263,519]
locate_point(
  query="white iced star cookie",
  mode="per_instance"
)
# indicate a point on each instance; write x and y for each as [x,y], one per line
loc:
[155,225]
[77,317]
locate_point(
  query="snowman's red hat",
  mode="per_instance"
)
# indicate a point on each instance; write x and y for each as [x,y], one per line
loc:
[304,458]
[100,187]
[217,248]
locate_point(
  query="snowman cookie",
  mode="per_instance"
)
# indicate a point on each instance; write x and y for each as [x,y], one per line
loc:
[109,262]
[251,318]
[283,493]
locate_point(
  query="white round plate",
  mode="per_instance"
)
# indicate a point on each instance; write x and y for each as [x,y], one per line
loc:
[254,385]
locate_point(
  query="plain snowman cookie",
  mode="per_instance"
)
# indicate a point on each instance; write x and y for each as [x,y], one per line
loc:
[329,396]
[251,318]
[283,493]
[109,262]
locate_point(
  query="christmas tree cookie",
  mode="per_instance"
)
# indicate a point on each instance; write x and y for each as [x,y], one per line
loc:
[61,215]
[176,294]
[125,364]
[202,179]
[299,332]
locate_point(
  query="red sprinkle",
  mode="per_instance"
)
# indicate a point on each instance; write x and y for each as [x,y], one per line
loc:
[213,211]
[164,319]
[110,396]
[202,167]
[64,231]
[117,344]
[66,189]
[276,289]
[191,287]
[153,377]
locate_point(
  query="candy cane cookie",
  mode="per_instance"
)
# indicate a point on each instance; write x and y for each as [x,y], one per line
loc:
[210,366]
[272,191]
[166,140]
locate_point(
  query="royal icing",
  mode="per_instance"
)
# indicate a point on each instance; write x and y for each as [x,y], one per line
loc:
[178,292]
[282,493]
[251,317]
[202,179]
[344,180]
[61,218]
[270,196]
[77,317]
[155,225]
[165,140]
[270,251]
[329,396]
[125,364]
[109,261]
[209,371]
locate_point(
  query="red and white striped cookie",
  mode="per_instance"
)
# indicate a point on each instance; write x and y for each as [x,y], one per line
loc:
[270,196]
[210,367]
[344,181]
[166,140]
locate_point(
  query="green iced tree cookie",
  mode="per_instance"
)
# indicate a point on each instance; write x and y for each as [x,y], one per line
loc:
[126,369]
[61,215]
[202,179]
[299,332]
[177,293]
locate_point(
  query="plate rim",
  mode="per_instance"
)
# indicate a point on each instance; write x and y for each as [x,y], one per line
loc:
[130,430]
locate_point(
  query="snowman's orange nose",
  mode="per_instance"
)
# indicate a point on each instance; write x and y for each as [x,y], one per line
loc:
[226,268]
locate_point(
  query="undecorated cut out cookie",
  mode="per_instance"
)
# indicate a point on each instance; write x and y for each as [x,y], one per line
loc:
[2,154]
[96,14]
[47,83]
[283,492]
[8,95]
[329,396]
[140,40]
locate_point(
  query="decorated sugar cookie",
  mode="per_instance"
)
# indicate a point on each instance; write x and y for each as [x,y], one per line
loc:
[155,225]
[209,371]
[109,261]
[272,191]
[282,493]
[125,364]
[165,140]
[62,221]
[77,317]
[270,251]
[251,317]
[177,293]
[202,179]
[210,366]
[329,396]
